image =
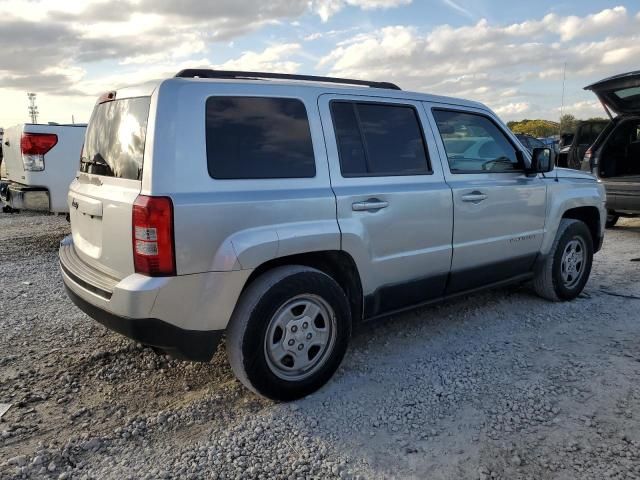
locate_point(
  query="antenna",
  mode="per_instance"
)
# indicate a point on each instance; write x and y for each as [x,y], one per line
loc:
[33,108]
[564,77]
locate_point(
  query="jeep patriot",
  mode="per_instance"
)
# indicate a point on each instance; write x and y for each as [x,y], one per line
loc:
[278,210]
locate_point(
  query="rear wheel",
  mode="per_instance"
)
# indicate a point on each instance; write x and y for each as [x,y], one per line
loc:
[612,219]
[289,332]
[565,271]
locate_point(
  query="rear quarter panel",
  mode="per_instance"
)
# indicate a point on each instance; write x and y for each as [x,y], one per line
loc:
[223,225]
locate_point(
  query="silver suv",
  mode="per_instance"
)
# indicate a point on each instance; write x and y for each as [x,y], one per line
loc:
[280,209]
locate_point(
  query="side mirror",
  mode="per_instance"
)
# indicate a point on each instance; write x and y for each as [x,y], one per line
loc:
[541,161]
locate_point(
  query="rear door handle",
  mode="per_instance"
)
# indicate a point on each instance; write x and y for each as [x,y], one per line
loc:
[371,205]
[474,197]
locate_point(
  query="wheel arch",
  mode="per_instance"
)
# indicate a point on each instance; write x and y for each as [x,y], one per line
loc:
[590,216]
[338,264]
[575,199]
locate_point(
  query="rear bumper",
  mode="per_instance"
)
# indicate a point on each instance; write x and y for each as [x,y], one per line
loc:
[184,315]
[23,197]
[186,344]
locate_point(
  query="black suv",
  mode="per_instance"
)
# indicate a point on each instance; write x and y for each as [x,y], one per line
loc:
[575,145]
[615,155]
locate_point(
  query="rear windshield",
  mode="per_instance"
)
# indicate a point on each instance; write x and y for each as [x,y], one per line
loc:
[629,98]
[628,92]
[114,143]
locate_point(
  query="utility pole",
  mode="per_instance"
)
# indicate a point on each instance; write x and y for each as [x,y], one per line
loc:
[33,108]
[564,76]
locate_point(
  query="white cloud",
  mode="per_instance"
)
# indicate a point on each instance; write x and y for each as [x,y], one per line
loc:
[482,60]
[620,55]
[327,8]
[513,109]
[584,109]
[572,27]
[274,59]
[373,4]
[50,46]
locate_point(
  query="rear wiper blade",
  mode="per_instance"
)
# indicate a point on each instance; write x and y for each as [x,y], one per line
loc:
[89,162]
[97,161]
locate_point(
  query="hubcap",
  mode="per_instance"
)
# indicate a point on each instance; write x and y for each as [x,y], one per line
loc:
[573,260]
[300,337]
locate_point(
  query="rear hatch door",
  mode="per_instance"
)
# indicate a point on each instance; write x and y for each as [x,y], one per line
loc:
[620,93]
[102,195]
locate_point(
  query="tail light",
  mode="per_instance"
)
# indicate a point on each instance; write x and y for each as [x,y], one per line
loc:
[33,147]
[588,159]
[152,230]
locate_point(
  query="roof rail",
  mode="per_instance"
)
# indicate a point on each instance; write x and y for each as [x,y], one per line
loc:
[229,74]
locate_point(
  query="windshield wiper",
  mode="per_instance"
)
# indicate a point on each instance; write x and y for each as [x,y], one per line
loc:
[98,161]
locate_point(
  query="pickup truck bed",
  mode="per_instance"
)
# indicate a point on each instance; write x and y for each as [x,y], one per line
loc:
[40,182]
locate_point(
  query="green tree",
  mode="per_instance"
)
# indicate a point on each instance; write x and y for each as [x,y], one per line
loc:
[537,128]
[568,123]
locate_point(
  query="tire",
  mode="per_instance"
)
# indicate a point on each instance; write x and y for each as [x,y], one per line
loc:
[273,313]
[549,281]
[612,219]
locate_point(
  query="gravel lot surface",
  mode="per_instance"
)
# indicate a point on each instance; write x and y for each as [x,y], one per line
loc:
[497,385]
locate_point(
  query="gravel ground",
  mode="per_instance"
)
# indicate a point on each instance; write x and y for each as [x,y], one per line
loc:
[498,385]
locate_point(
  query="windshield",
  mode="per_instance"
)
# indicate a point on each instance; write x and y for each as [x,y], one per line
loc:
[114,143]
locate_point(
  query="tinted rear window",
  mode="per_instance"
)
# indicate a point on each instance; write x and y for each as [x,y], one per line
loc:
[114,143]
[628,92]
[379,139]
[256,137]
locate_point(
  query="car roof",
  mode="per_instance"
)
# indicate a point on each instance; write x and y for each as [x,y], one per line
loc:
[321,88]
[317,87]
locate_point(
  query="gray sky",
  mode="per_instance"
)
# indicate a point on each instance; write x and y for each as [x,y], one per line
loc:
[507,54]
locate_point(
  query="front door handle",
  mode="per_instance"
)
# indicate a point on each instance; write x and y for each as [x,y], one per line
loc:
[371,205]
[474,197]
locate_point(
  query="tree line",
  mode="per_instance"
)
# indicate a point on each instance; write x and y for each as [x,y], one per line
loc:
[546,128]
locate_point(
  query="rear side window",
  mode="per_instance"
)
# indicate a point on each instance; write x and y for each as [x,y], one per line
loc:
[256,137]
[379,139]
[114,142]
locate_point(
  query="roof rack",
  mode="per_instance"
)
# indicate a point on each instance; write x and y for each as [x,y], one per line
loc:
[208,73]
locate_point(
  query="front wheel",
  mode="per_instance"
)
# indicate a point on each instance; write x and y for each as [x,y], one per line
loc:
[566,269]
[612,219]
[289,332]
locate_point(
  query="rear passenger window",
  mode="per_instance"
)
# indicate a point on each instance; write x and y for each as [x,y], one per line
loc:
[253,137]
[379,140]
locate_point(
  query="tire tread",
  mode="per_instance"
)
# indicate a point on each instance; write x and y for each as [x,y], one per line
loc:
[243,312]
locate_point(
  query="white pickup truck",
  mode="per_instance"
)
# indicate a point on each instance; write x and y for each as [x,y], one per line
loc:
[40,161]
